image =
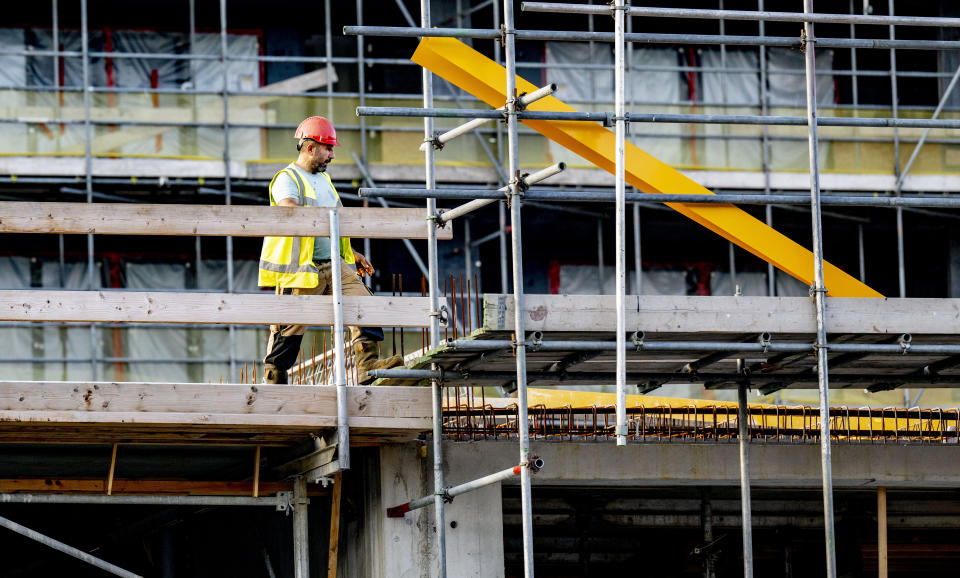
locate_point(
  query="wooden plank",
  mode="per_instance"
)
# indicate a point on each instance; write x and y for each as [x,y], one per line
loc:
[698,315]
[212,399]
[212,220]
[225,408]
[180,419]
[146,487]
[221,308]
[334,527]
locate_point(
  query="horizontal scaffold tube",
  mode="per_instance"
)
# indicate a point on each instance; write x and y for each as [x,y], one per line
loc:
[466,127]
[448,494]
[903,346]
[608,117]
[271,501]
[703,14]
[525,182]
[939,202]
[800,380]
[644,38]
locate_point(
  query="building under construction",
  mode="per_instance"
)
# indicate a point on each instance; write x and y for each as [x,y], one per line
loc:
[675,285]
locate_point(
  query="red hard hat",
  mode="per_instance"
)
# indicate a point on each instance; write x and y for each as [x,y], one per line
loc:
[317,128]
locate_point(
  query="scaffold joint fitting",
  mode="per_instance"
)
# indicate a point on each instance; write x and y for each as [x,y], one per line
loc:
[764,341]
[435,141]
[637,339]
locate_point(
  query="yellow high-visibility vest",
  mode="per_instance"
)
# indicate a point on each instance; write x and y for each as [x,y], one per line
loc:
[288,261]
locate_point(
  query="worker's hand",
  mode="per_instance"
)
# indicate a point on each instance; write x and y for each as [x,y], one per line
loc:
[364,267]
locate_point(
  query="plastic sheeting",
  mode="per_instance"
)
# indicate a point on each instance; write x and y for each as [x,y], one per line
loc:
[243,75]
[13,74]
[128,73]
[737,90]
[657,86]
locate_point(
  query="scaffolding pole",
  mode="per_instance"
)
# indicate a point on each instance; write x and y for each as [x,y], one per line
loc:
[618,10]
[819,294]
[915,201]
[433,292]
[66,549]
[747,15]
[609,118]
[515,200]
[340,369]
[644,38]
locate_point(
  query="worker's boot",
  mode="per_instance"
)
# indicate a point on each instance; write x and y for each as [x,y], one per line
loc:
[367,359]
[274,375]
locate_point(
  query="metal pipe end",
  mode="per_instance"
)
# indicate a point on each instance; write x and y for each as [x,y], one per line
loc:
[553,85]
[765,337]
[536,336]
[562,165]
[905,338]
[535,464]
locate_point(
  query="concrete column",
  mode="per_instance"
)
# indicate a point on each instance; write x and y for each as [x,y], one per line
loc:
[474,520]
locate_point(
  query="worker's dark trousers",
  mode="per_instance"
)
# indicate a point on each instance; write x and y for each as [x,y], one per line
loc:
[283,345]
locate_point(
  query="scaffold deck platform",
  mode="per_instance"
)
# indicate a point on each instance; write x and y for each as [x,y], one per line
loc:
[721,342]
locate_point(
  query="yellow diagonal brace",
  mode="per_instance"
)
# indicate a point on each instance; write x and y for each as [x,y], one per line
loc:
[485,79]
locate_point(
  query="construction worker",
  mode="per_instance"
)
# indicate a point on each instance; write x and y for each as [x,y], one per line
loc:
[302,265]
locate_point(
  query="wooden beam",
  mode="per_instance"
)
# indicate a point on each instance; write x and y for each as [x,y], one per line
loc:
[212,220]
[226,405]
[334,526]
[146,487]
[237,309]
[882,532]
[683,314]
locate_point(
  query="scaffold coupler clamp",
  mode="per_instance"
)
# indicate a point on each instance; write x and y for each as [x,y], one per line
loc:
[444,494]
[804,40]
[435,141]
[610,121]
[904,341]
[440,223]
[503,34]
[622,430]
[536,341]
[764,341]
[637,339]
[614,8]
[517,187]
[812,291]
[442,315]
[285,502]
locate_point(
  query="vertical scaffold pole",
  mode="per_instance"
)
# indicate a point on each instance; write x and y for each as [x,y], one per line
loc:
[88,169]
[819,294]
[340,367]
[746,517]
[432,282]
[227,188]
[515,226]
[618,50]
